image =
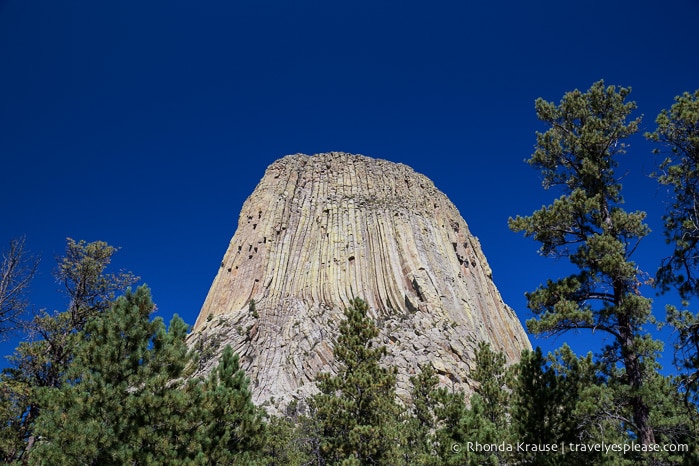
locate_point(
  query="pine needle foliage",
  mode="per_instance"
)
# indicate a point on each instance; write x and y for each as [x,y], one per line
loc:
[677,134]
[587,224]
[43,358]
[357,407]
[127,398]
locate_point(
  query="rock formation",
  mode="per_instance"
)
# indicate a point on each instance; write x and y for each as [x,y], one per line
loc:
[320,230]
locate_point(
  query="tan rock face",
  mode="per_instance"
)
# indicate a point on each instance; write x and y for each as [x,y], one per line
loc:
[320,230]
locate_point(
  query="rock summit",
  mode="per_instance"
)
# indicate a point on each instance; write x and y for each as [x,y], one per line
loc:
[320,230]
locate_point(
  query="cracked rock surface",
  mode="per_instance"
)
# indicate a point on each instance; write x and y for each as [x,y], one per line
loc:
[319,230]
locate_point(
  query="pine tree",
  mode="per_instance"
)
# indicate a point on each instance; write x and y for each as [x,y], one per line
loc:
[678,130]
[115,405]
[128,398]
[489,415]
[494,384]
[231,429]
[587,225]
[418,442]
[486,422]
[82,273]
[14,398]
[357,407]
[455,425]
[287,442]
[42,359]
[544,410]
[587,404]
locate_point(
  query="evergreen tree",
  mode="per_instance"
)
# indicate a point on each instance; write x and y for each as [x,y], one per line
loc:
[486,422]
[42,359]
[288,442]
[465,434]
[117,405]
[592,410]
[494,384]
[231,429]
[128,398]
[587,225]
[489,414]
[455,425]
[102,384]
[585,402]
[357,408]
[673,420]
[544,410]
[678,130]
[418,442]
[14,398]
[82,273]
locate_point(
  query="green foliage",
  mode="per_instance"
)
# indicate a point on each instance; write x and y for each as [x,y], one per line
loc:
[494,384]
[449,425]
[674,420]
[455,424]
[356,408]
[687,350]
[439,423]
[587,225]
[103,384]
[678,131]
[281,448]
[252,309]
[230,427]
[14,398]
[420,420]
[488,418]
[580,389]
[544,410]
[293,440]
[81,271]
[128,398]
[43,358]
[104,412]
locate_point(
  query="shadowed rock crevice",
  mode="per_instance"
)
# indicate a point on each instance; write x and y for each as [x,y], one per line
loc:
[320,230]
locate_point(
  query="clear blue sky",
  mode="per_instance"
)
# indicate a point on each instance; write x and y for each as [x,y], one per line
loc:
[146,124]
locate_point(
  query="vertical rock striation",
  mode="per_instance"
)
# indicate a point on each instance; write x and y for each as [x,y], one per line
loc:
[320,230]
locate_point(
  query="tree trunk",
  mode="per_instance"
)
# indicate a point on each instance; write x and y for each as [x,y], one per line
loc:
[641,411]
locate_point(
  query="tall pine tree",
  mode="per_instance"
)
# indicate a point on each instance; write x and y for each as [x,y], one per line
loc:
[588,226]
[678,131]
[357,407]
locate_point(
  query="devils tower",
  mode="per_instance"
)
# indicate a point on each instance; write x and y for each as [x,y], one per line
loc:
[319,230]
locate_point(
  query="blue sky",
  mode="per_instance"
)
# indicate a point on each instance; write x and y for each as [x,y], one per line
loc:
[146,124]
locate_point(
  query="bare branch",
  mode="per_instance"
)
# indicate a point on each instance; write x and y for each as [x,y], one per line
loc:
[16,272]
